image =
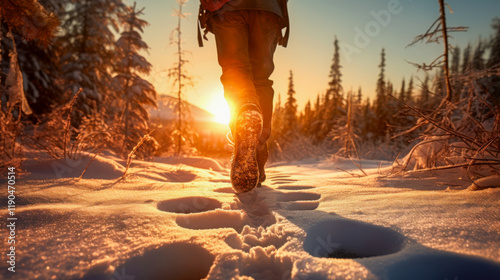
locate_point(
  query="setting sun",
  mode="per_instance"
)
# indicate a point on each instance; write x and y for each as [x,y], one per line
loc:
[218,107]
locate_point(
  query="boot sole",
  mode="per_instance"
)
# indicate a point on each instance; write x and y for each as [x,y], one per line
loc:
[244,168]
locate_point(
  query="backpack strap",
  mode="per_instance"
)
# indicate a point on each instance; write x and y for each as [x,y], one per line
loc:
[199,25]
[284,40]
[203,16]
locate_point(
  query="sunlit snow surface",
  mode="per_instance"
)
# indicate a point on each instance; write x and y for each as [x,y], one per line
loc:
[180,219]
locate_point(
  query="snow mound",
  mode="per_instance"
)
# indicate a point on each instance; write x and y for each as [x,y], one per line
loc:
[260,263]
[486,182]
[99,168]
[444,265]
[344,238]
[174,261]
[197,162]
[187,205]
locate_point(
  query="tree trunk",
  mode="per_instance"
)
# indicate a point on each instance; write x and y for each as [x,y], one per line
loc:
[445,41]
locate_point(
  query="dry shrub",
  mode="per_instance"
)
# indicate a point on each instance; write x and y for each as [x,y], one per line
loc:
[11,152]
[298,148]
[464,133]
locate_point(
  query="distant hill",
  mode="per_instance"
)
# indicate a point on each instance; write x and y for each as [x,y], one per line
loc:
[166,110]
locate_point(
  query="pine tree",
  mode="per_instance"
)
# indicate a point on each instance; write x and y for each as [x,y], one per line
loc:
[290,116]
[32,28]
[30,19]
[402,92]
[424,93]
[466,59]
[494,59]
[317,121]
[438,84]
[180,77]
[134,92]
[409,91]
[40,73]
[39,65]
[367,125]
[455,60]
[477,59]
[333,102]
[335,85]
[88,56]
[277,121]
[381,99]
[306,119]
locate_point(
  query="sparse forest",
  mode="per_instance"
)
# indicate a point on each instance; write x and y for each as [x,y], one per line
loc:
[419,125]
[71,78]
[71,81]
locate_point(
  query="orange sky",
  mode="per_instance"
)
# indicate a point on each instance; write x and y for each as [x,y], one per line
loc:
[363,27]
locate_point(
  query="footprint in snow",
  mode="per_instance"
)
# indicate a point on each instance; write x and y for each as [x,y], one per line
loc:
[212,220]
[190,204]
[172,261]
[349,239]
[294,187]
[298,201]
[274,177]
[225,190]
[298,196]
[283,181]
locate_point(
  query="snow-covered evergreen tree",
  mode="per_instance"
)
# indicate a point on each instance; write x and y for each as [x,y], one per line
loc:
[134,93]
[32,28]
[30,19]
[88,56]
[333,103]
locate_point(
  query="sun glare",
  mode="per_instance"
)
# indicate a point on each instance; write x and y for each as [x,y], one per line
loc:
[218,107]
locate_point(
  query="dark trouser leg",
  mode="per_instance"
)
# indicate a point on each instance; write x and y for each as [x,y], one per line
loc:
[246,41]
[263,39]
[232,39]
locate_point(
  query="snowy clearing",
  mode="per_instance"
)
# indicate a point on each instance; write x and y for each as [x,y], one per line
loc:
[180,219]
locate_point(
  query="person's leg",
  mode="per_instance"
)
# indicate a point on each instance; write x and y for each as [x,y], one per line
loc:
[264,34]
[263,39]
[231,32]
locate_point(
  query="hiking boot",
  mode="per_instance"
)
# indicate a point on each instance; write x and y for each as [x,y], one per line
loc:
[244,165]
[262,155]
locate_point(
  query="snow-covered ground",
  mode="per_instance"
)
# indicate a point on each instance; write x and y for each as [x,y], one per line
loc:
[180,219]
